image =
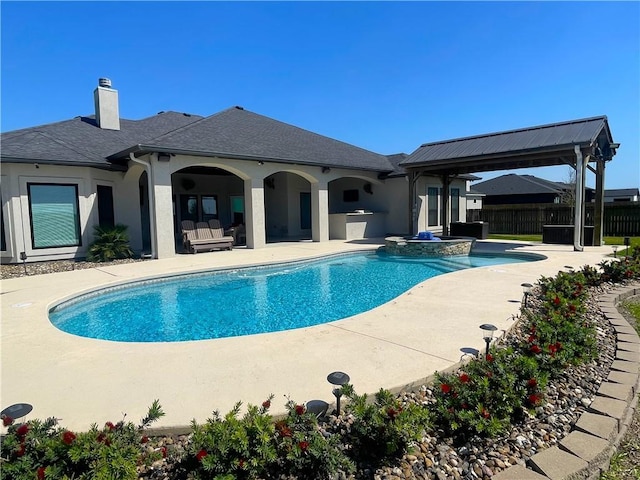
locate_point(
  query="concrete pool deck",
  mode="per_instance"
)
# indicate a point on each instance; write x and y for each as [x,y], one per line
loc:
[400,343]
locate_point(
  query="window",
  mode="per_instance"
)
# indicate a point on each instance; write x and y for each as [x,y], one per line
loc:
[305,210]
[455,204]
[54,215]
[209,207]
[432,203]
[189,207]
[106,217]
[350,195]
[237,209]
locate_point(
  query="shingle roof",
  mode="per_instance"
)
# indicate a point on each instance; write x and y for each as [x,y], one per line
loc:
[80,141]
[621,192]
[510,143]
[238,133]
[512,184]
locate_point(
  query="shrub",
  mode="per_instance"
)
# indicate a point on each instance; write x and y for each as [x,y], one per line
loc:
[384,429]
[487,394]
[254,446]
[110,243]
[229,445]
[303,451]
[45,450]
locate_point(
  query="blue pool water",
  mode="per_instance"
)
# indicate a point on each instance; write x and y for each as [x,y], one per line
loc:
[252,300]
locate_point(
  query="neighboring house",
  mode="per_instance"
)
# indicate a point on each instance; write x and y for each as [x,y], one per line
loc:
[513,189]
[622,195]
[60,180]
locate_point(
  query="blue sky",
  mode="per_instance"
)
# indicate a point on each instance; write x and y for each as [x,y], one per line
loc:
[385,76]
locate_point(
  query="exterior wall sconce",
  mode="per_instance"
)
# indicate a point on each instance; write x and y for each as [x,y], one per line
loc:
[339,379]
[487,334]
[326,169]
[164,157]
[526,287]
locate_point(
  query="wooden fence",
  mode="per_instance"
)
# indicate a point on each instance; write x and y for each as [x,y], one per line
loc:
[620,218]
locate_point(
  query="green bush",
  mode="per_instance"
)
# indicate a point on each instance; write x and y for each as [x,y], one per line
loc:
[110,243]
[254,446]
[44,450]
[384,429]
[487,395]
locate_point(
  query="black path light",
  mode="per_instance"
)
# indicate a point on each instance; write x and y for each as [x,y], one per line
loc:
[487,334]
[23,257]
[627,243]
[317,407]
[469,351]
[340,379]
[526,288]
[615,251]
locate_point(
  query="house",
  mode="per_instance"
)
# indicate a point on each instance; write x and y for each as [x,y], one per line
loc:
[283,183]
[622,195]
[514,189]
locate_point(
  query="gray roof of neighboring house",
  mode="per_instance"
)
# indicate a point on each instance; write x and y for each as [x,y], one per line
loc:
[238,133]
[543,138]
[622,192]
[512,184]
[81,142]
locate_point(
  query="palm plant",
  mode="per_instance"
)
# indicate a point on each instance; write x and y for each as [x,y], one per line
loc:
[110,243]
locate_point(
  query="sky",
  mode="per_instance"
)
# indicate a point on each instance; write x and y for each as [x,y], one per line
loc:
[384,76]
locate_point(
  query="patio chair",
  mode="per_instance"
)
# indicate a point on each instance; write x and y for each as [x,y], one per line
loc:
[219,233]
[200,238]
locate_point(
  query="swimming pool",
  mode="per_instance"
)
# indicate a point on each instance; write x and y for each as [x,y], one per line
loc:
[253,300]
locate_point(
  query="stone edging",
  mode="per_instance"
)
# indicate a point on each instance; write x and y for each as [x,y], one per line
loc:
[586,452]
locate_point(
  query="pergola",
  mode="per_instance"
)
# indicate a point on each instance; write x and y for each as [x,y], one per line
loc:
[576,142]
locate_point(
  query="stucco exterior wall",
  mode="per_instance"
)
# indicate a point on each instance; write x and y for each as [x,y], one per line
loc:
[15,204]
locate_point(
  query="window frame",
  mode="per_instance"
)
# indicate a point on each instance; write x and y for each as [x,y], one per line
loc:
[78,227]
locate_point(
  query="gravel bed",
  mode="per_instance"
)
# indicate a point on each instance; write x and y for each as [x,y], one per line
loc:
[40,268]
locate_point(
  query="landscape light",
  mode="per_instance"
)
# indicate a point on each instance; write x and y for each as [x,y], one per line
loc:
[340,379]
[526,287]
[487,334]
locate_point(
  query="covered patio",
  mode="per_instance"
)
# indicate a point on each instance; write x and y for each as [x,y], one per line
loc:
[578,143]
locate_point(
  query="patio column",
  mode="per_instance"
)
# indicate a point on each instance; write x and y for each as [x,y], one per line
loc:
[320,211]
[598,217]
[163,237]
[578,225]
[254,212]
[446,214]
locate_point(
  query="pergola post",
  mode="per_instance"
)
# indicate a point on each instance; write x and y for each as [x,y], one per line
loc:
[446,214]
[598,218]
[578,227]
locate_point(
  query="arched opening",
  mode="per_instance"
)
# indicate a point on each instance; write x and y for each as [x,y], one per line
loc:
[202,193]
[287,199]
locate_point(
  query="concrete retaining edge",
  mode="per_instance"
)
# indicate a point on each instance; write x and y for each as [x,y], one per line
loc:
[586,455]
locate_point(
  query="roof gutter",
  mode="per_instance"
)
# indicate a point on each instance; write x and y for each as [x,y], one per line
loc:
[140,148]
[152,200]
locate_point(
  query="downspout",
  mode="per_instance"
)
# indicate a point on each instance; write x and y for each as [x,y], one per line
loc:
[577,213]
[152,206]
